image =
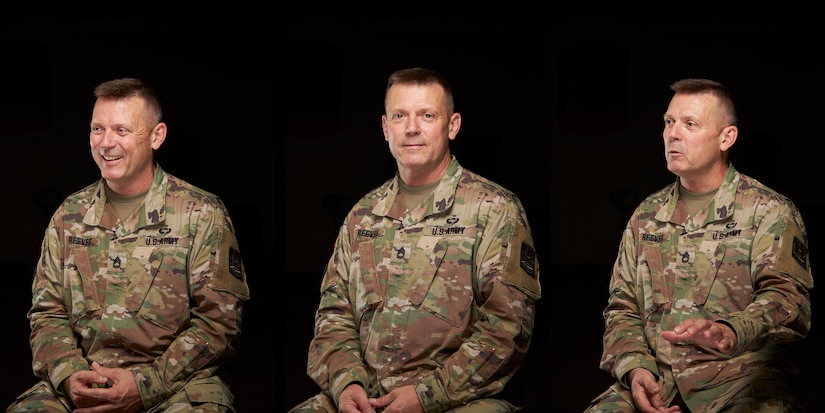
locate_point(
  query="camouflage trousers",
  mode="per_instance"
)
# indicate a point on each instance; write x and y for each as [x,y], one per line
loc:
[322,403]
[42,398]
[746,400]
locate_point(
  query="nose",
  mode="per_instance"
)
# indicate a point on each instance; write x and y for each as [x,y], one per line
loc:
[669,133]
[412,128]
[107,138]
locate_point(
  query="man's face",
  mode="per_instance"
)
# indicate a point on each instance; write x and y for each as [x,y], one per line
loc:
[122,140]
[694,134]
[418,127]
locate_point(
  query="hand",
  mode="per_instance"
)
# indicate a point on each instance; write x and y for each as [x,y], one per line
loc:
[403,399]
[645,392]
[354,400]
[704,332]
[91,394]
[83,379]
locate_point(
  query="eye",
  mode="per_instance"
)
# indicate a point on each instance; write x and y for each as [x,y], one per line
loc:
[397,116]
[122,131]
[97,129]
[429,116]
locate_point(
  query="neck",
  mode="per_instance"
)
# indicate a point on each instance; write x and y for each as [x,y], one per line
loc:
[134,187]
[424,175]
[707,182]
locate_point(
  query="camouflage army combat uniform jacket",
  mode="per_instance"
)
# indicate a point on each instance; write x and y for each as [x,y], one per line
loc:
[442,297]
[743,261]
[160,294]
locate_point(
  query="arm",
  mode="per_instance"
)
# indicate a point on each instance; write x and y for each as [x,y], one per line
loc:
[781,271]
[334,359]
[624,342]
[217,291]
[55,350]
[507,286]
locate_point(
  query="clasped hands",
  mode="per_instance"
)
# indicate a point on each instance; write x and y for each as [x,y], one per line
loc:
[403,399]
[103,389]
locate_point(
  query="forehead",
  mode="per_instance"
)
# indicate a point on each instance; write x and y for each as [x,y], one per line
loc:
[696,104]
[403,95]
[117,108]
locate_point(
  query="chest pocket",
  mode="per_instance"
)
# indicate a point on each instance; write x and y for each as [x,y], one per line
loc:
[732,286]
[445,271]
[159,290]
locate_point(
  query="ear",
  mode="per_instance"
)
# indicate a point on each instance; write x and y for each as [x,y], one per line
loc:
[158,135]
[384,127]
[455,125]
[729,135]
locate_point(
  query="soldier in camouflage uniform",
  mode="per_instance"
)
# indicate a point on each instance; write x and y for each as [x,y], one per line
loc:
[711,281]
[428,301]
[138,293]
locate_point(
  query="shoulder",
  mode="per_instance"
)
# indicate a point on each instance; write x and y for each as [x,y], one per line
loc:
[177,187]
[655,200]
[81,198]
[471,181]
[752,188]
[182,196]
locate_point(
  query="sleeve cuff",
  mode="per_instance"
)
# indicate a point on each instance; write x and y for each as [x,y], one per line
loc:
[432,395]
[150,386]
[632,361]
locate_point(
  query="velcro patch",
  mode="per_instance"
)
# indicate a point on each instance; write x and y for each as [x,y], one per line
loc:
[230,275]
[521,266]
[799,252]
[235,263]
[793,255]
[528,259]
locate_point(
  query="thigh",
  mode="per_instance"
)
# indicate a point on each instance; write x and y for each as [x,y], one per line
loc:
[763,396]
[208,395]
[748,403]
[320,403]
[189,408]
[486,406]
[610,401]
[40,398]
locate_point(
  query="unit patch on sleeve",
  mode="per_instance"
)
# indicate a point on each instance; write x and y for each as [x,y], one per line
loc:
[528,259]
[793,255]
[799,252]
[235,263]
[521,266]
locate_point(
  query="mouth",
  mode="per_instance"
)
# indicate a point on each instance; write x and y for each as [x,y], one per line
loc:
[109,157]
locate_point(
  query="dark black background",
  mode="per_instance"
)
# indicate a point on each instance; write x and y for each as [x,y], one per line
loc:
[216,77]
[566,110]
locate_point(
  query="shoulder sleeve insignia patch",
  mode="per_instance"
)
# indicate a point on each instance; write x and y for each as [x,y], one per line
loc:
[235,263]
[528,259]
[799,252]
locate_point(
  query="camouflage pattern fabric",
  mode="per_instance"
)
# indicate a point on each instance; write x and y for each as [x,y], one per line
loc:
[742,261]
[441,297]
[160,294]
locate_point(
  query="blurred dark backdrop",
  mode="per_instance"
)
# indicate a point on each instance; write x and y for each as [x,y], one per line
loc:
[216,78]
[567,112]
